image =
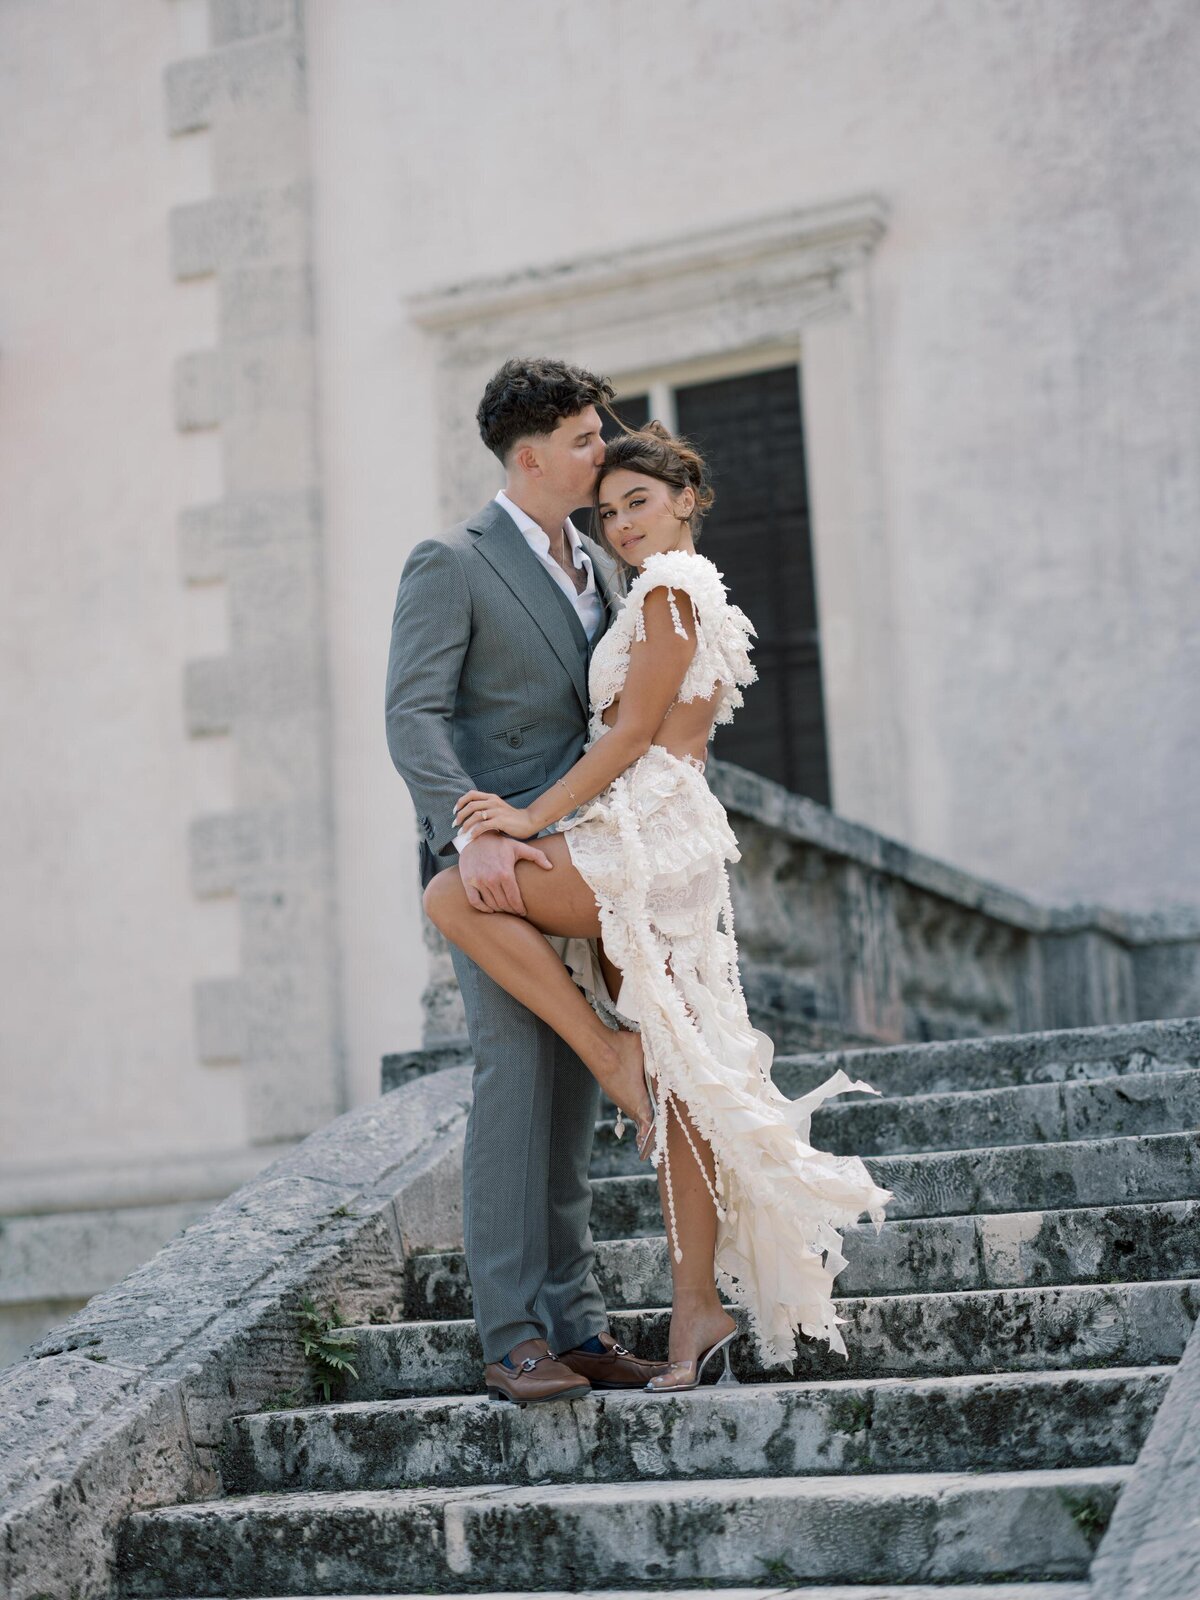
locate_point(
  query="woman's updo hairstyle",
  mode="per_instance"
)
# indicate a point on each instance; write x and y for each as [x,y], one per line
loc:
[657,453]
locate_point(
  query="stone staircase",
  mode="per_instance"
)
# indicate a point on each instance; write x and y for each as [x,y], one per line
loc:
[1012,1332]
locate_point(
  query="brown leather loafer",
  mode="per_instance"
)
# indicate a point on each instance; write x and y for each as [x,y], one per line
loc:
[537,1376]
[617,1368]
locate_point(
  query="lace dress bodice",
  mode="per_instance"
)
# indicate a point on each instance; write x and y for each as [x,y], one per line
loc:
[723,632]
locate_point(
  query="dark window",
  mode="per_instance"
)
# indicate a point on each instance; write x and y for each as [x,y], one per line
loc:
[633,410]
[751,432]
[757,533]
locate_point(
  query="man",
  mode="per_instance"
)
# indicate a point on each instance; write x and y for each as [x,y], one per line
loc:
[494,627]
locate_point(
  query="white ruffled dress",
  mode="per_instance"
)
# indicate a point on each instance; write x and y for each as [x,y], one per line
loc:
[653,846]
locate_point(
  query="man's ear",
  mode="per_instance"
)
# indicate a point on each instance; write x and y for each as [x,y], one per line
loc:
[525,457]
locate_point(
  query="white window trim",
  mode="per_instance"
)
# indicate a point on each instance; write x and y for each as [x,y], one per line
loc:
[661,382]
[729,300]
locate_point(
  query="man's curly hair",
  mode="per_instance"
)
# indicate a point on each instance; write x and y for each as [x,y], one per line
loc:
[532,396]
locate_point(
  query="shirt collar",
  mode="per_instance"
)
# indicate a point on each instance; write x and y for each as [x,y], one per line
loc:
[538,536]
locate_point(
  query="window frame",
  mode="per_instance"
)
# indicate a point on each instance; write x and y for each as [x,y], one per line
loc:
[714,304]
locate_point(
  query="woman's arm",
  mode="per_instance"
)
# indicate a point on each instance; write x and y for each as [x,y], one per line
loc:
[657,665]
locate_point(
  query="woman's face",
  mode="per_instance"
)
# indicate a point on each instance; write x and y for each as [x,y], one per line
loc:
[641,516]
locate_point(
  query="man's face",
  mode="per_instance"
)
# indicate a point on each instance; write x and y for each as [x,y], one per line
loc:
[571,456]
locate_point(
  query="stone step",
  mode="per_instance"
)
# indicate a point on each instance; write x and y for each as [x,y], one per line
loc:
[997,1423]
[1039,1113]
[948,1066]
[904,1527]
[1085,1244]
[952,1066]
[1028,1177]
[855,1591]
[887,1336]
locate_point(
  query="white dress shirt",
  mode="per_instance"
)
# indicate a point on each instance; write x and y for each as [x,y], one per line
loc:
[588,601]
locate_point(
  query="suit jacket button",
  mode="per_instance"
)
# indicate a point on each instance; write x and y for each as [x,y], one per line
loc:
[514,738]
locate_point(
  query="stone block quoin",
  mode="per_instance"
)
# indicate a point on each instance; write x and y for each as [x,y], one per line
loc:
[278,1015]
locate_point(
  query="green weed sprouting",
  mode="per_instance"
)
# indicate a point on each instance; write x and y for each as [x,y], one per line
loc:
[325,1345]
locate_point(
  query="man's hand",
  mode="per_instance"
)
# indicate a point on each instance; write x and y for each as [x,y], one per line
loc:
[487,866]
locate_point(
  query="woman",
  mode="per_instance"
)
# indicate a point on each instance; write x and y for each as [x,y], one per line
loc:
[638,859]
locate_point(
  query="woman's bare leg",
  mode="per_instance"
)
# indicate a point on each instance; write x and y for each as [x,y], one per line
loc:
[512,951]
[698,1318]
[612,973]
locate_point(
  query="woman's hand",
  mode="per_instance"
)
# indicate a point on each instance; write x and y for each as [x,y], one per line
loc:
[487,813]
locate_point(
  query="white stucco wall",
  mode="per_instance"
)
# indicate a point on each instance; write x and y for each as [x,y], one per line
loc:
[1037,340]
[1035,301]
[100,936]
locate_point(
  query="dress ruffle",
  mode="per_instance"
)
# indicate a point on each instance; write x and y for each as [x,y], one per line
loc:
[653,846]
[721,661]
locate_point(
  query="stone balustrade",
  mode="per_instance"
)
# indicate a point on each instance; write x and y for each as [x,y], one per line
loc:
[850,937]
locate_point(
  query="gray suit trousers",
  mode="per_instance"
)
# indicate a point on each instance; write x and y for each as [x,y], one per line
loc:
[527,1199]
[487,688]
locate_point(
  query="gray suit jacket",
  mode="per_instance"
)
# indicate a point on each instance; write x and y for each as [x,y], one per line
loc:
[487,673]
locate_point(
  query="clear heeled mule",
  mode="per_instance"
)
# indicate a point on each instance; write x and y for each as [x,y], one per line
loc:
[693,1382]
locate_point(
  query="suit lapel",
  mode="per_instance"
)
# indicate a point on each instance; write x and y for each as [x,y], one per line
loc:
[501,544]
[605,569]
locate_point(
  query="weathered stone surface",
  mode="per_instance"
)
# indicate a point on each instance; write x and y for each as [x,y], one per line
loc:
[405,1065]
[871,1591]
[209,695]
[78,1253]
[81,1443]
[981,1426]
[845,933]
[239,230]
[997,1330]
[1167,973]
[1162,1166]
[259,74]
[1085,1244]
[1154,1552]
[906,1526]
[220,538]
[957,1424]
[268,302]
[928,1526]
[231,20]
[854,928]
[986,1064]
[124,1404]
[219,1009]
[271,695]
[201,390]
[1159,1102]
[949,1066]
